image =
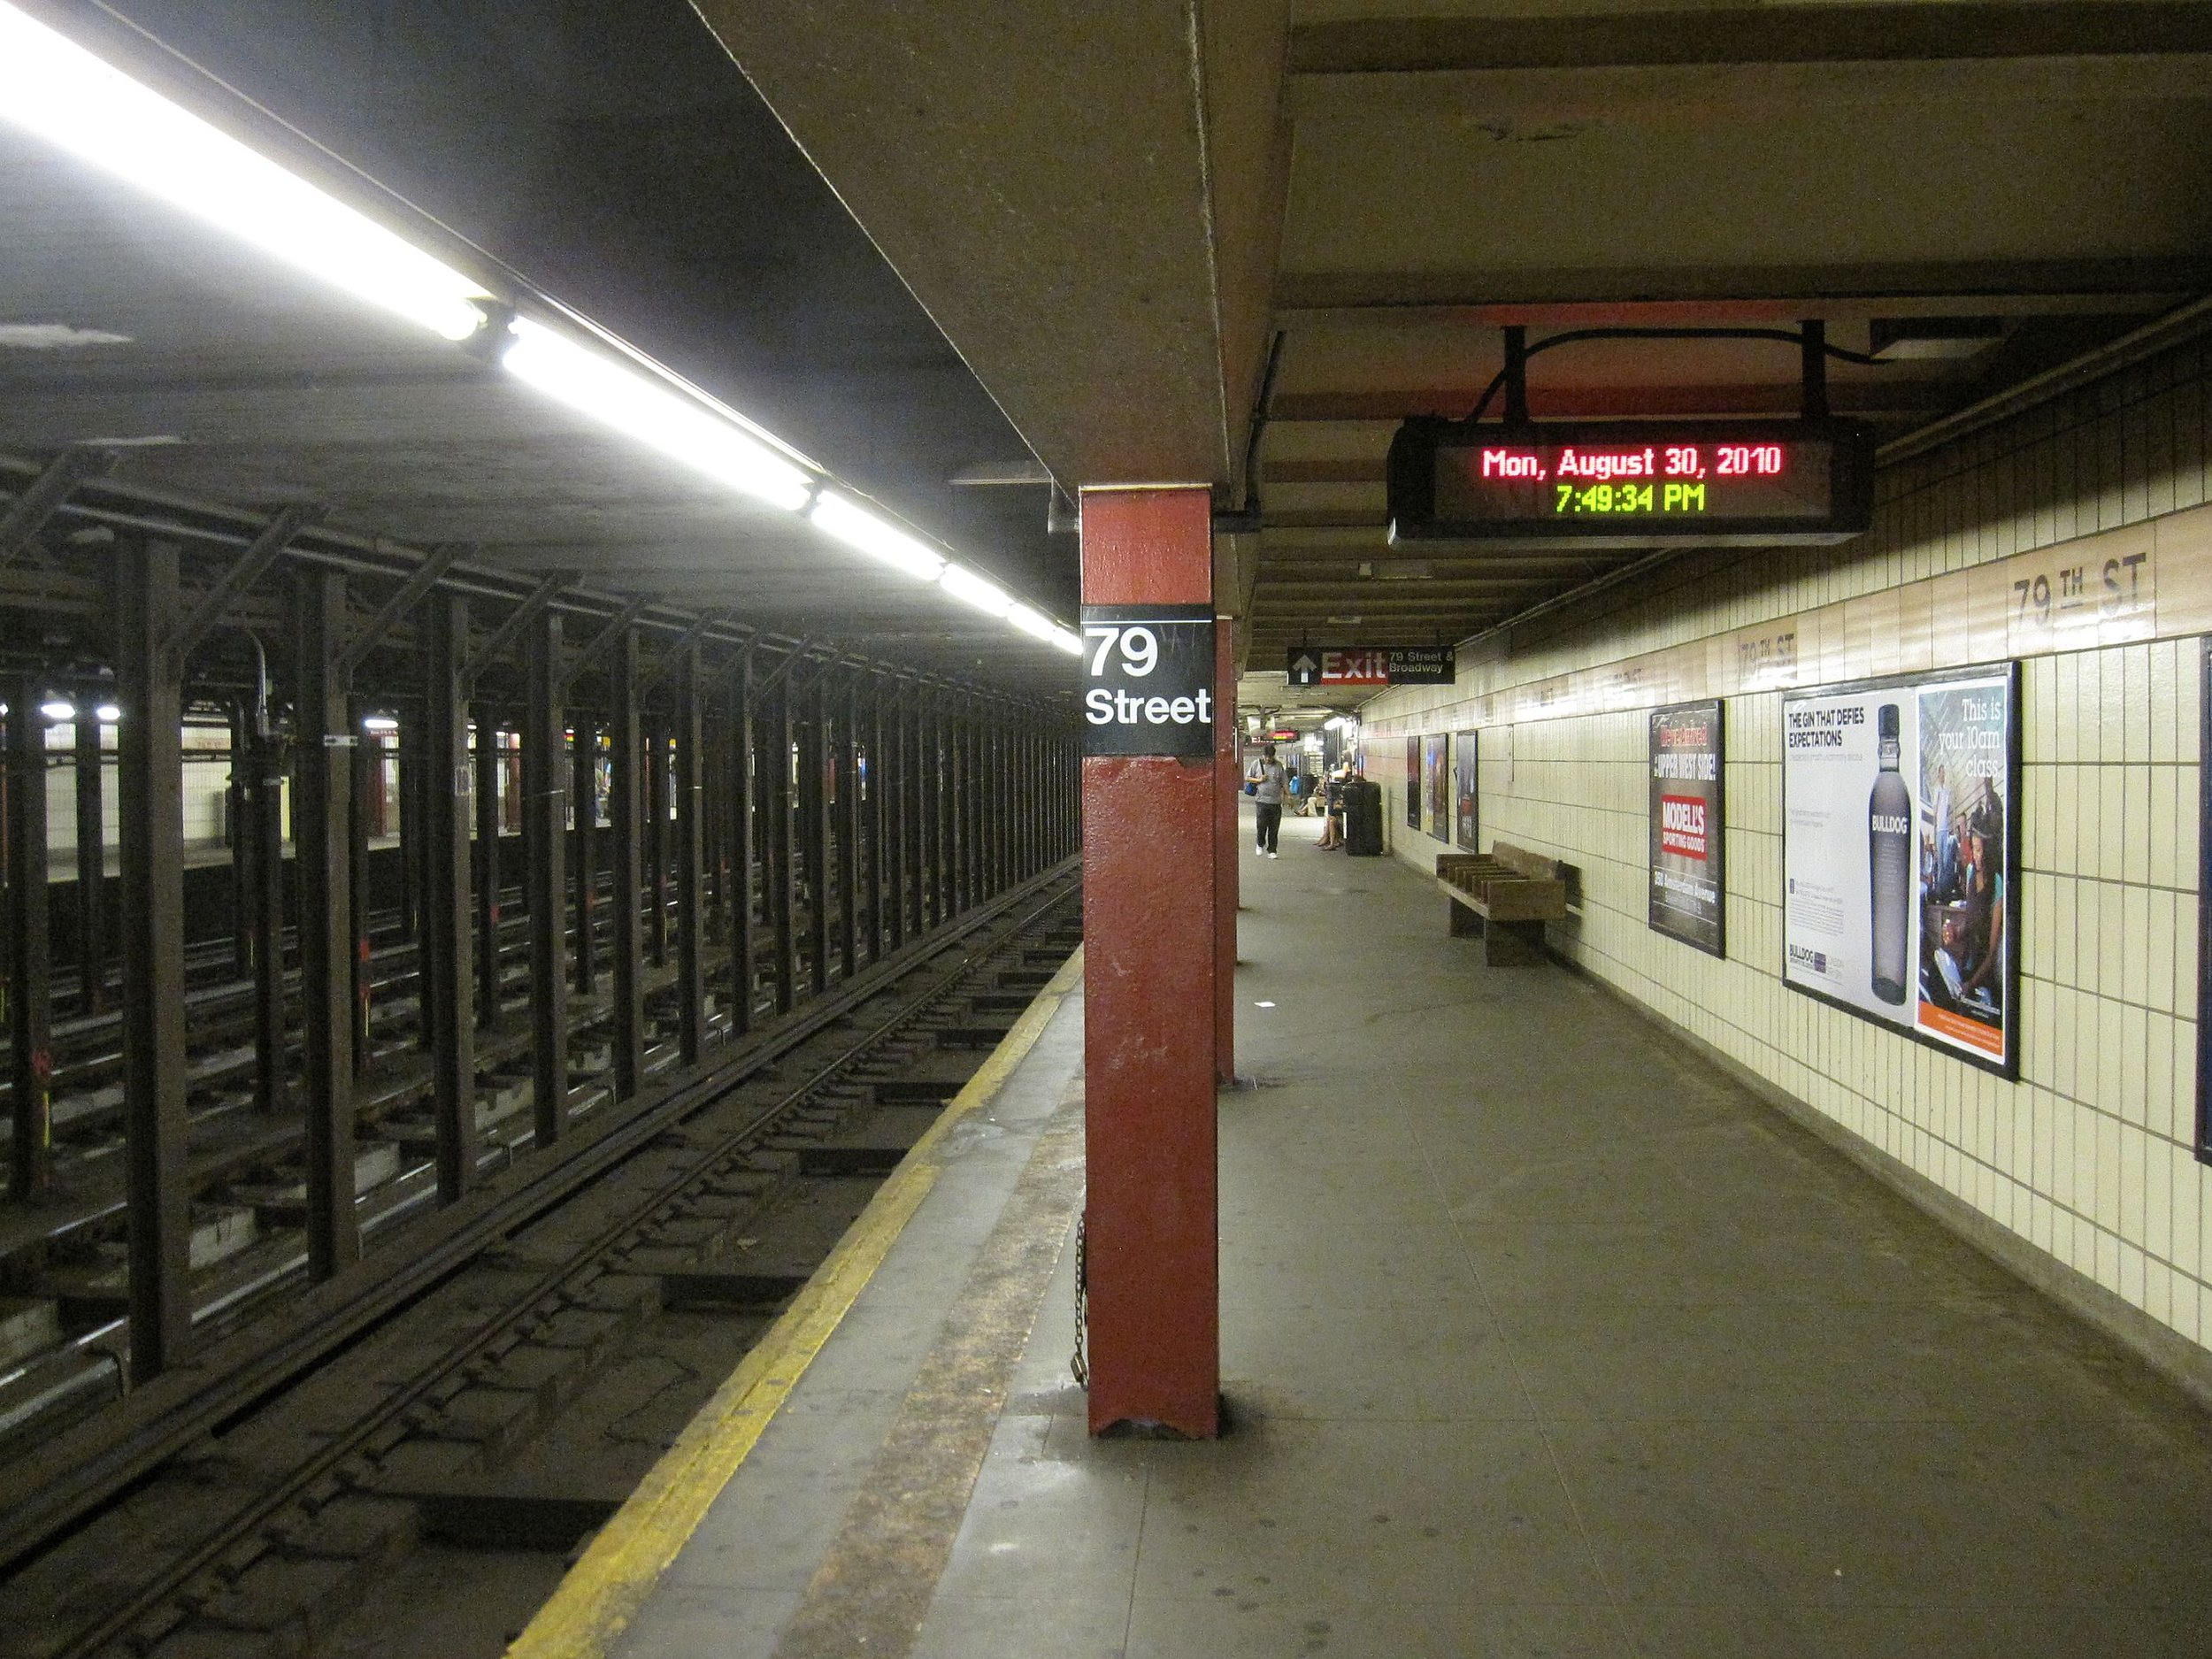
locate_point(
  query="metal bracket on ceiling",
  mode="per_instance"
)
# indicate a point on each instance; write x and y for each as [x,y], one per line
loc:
[599,641]
[43,496]
[243,571]
[510,630]
[419,581]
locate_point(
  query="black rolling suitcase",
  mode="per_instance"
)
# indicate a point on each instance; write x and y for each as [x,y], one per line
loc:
[1363,819]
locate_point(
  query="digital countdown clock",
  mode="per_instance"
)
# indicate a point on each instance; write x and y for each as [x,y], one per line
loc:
[1773,483]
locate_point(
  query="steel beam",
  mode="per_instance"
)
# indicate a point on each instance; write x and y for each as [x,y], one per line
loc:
[691,906]
[150,793]
[419,581]
[261,839]
[240,574]
[488,765]
[879,807]
[742,804]
[545,886]
[364,754]
[92,865]
[29,948]
[845,780]
[43,496]
[898,775]
[815,784]
[782,781]
[656,835]
[449,1013]
[584,792]
[626,813]
[324,813]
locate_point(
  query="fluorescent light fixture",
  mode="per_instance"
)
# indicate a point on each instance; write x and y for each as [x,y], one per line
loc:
[59,709]
[857,528]
[1034,623]
[57,91]
[1067,641]
[379,723]
[108,712]
[971,589]
[713,441]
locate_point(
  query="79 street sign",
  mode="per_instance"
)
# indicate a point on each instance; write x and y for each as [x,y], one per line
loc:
[1149,680]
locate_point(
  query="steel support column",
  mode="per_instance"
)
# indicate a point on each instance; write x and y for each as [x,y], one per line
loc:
[366,755]
[29,948]
[1149,1131]
[845,752]
[445,802]
[742,809]
[657,833]
[783,850]
[545,885]
[898,775]
[691,898]
[150,796]
[263,869]
[815,784]
[488,763]
[92,866]
[324,811]
[584,793]
[879,807]
[626,812]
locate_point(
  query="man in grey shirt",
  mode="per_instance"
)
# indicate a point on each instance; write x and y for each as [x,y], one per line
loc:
[1267,791]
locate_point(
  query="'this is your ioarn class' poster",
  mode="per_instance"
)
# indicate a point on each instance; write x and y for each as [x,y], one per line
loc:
[1897,855]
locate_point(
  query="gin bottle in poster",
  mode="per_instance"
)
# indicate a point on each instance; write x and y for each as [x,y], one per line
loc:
[1889,855]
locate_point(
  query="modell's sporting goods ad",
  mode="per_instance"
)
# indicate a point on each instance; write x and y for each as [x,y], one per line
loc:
[1688,831]
[1898,856]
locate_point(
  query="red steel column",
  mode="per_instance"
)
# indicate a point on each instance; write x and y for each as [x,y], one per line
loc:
[1150,840]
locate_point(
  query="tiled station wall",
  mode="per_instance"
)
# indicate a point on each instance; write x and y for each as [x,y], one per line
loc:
[2088,1157]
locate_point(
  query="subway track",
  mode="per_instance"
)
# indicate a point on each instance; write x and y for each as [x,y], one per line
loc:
[527,1365]
[245,1182]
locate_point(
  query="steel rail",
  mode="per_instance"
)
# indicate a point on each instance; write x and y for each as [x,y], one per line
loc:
[84,1467]
[683,1101]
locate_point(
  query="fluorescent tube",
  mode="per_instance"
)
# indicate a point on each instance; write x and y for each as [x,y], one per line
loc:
[656,415]
[379,723]
[971,589]
[1033,623]
[1067,641]
[59,710]
[57,91]
[857,528]
[108,712]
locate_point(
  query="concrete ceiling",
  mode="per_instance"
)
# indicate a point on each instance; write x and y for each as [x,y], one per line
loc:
[606,155]
[1081,197]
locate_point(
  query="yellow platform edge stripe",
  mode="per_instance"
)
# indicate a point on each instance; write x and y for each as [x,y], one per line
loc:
[602,1592]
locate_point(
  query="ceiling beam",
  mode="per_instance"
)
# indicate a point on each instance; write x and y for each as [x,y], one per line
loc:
[1705,95]
[1749,309]
[1918,285]
[1863,400]
[1748,35]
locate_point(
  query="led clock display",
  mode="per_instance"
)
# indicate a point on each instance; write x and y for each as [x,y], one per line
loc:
[1770,482]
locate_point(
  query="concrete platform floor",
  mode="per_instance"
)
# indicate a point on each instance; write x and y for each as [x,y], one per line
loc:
[1542,1339]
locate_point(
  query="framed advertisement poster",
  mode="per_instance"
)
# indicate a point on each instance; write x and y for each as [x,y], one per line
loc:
[1689,827]
[1413,783]
[1467,791]
[1436,779]
[1901,856]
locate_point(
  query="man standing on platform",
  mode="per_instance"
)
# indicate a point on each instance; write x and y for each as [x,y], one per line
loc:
[1267,792]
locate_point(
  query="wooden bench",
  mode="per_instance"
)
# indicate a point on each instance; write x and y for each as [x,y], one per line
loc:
[1504,897]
